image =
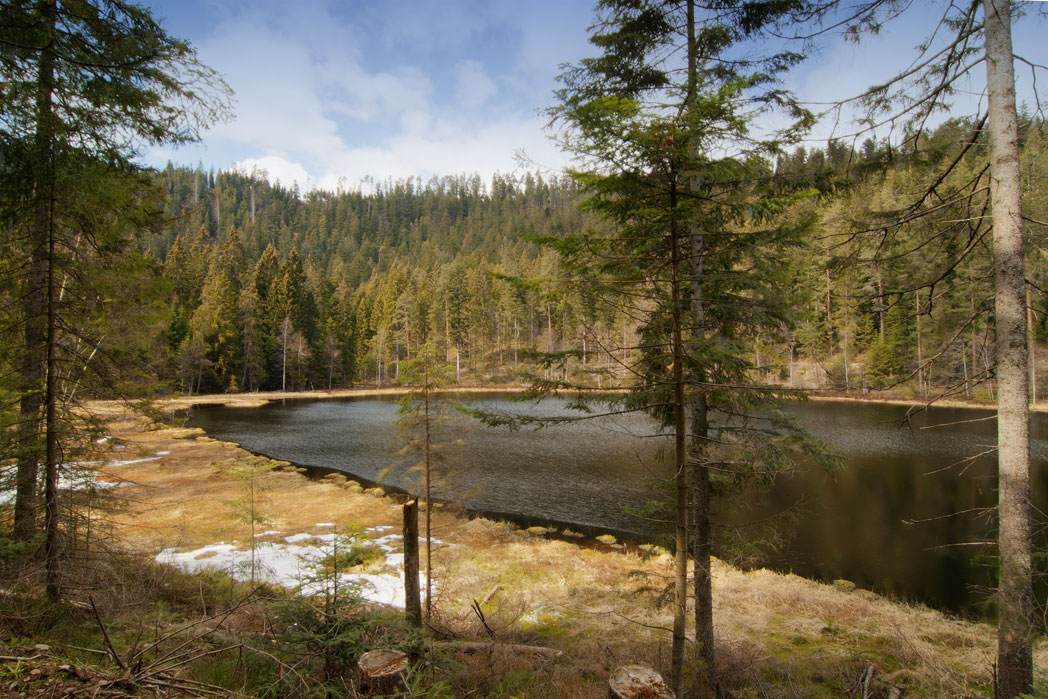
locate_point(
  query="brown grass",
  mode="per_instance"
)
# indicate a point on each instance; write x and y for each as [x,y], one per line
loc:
[777,635]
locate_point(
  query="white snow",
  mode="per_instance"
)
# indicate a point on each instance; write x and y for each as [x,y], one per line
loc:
[297,566]
[132,461]
[77,480]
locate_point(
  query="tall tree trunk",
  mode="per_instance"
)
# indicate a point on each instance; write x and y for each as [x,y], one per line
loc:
[920,348]
[880,302]
[844,346]
[701,531]
[35,300]
[447,329]
[971,306]
[51,534]
[1014,590]
[283,356]
[1033,344]
[680,600]
[829,307]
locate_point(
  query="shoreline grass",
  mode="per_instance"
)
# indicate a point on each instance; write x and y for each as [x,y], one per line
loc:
[776,634]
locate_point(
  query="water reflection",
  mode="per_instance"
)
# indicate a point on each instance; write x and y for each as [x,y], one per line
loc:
[905,517]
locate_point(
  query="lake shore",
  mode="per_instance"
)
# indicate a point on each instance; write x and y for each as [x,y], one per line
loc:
[601,608]
[255,400]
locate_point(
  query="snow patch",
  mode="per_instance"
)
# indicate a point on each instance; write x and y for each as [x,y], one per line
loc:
[132,461]
[295,566]
[78,480]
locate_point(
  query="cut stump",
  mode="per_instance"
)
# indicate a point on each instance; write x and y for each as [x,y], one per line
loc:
[637,682]
[381,671]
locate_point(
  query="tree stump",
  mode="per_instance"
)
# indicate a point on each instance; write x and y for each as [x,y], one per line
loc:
[637,682]
[381,672]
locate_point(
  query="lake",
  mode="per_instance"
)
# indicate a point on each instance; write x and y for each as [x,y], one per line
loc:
[905,517]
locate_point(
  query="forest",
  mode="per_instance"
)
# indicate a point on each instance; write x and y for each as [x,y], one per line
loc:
[692,266]
[259,287]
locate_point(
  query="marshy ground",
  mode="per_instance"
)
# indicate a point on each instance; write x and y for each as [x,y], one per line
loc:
[594,607]
[777,635]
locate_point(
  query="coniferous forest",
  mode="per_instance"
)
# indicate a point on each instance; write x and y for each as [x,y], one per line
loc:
[258,287]
[693,267]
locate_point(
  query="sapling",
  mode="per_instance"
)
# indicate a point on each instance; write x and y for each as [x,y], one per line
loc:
[250,507]
[427,413]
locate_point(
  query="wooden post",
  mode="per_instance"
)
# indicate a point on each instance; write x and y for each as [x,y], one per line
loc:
[412,600]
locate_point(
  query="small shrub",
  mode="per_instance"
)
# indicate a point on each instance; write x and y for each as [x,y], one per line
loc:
[348,551]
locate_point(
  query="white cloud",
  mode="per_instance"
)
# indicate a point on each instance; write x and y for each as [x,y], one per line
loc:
[278,106]
[329,92]
[447,150]
[474,86]
[276,169]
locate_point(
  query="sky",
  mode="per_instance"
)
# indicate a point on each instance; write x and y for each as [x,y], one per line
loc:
[331,92]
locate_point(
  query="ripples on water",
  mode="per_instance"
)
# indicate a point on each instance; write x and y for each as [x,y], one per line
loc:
[864,523]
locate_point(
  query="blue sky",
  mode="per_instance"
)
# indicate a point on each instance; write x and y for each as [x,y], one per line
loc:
[331,91]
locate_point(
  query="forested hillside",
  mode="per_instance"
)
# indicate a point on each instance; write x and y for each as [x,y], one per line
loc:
[270,288]
[273,290]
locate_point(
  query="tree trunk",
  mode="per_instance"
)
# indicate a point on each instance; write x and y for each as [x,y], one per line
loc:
[412,603]
[447,328]
[1014,592]
[880,302]
[680,599]
[51,534]
[36,297]
[920,348]
[1033,344]
[701,531]
[829,308]
[283,357]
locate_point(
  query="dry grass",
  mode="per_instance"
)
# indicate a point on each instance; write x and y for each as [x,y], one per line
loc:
[777,635]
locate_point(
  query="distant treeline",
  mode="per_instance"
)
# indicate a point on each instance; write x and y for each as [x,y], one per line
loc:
[269,288]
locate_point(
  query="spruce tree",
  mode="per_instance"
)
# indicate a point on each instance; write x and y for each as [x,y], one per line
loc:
[84,83]
[696,246]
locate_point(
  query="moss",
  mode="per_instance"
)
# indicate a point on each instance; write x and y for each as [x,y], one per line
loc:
[844,585]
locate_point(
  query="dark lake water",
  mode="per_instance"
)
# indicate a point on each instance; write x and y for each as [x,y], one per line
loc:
[903,518]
